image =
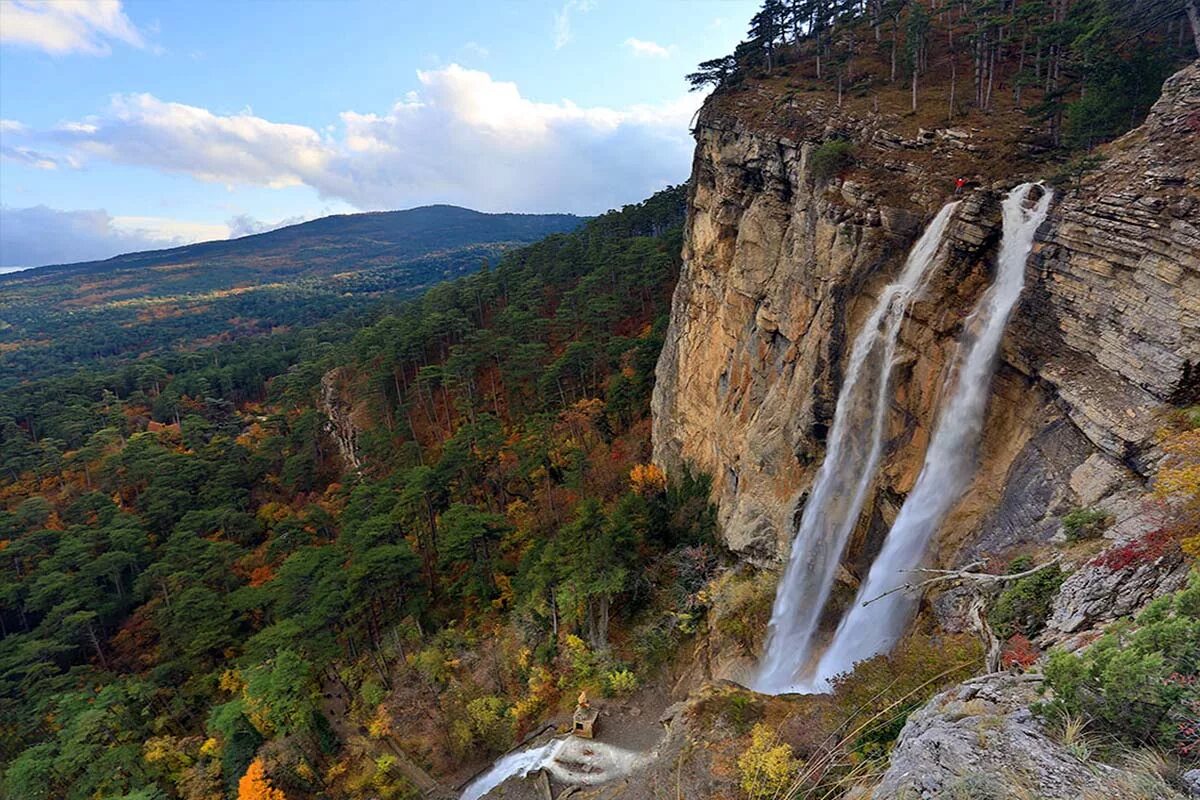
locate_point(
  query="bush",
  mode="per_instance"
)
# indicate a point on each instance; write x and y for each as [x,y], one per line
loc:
[1085,523]
[829,158]
[1140,682]
[877,697]
[620,682]
[741,606]
[491,723]
[1145,549]
[767,768]
[372,692]
[1023,607]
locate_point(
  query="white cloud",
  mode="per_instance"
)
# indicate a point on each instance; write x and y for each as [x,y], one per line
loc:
[29,157]
[239,148]
[172,231]
[61,27]
[40,235]
[640,47]
[246,225]
[463,138]
[562,20]
[12,126]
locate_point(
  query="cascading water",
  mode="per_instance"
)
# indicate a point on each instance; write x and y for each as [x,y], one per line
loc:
[881,612]
[841,484]
[513,765]
[571,760]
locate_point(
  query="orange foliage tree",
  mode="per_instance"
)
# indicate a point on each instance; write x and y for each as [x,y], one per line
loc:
[255,786]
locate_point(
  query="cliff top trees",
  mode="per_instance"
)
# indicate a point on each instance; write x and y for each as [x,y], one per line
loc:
[1092,66]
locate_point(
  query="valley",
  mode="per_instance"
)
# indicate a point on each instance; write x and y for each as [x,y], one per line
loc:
[865,463]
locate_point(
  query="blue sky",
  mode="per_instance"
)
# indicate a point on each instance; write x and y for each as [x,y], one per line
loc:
[142,124]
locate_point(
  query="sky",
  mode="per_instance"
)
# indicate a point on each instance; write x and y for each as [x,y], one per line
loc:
[133,125]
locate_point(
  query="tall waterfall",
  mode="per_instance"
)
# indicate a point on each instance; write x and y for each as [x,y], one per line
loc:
[841,484]
[877,619]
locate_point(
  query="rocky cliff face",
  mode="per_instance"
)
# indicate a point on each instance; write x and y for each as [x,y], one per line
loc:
[781,268]
[335,403]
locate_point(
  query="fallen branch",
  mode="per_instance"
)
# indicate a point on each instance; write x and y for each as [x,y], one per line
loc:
[983,588]
[964,574]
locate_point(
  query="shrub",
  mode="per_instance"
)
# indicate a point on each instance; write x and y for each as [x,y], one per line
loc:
[490,721]
[829,158]
[1138,681]
[740,710]
[372,692]
[620,682]
[1024,606]
[767,768]
[1085,523]
[1145,549]
[877,697]
[741,606]
[1018,652]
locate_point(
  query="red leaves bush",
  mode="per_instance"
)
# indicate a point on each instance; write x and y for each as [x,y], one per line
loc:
[1145,549]
[1018,652]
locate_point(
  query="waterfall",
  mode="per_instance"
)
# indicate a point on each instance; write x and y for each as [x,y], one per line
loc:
[571,760]
[517,764]
[877,619]
[841,484]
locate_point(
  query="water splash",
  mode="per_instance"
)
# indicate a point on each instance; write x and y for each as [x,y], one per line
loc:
[880,613]
[841,484]
[571,760]
[514,765]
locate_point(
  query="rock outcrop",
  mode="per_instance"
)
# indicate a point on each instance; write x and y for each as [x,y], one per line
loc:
[334,402]
[980,739]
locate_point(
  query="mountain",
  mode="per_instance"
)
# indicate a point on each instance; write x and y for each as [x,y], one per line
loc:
[341,241]
[886,335]
[55,319]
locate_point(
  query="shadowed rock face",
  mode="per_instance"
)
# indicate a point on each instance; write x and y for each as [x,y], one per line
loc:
[780,271]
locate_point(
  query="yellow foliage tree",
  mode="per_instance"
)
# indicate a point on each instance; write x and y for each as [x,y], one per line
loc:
[767,768]
[255,786]
[647,479]
[1178,482]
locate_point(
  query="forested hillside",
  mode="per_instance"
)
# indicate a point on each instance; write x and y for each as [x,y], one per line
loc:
[59,318]
[1080,72]
[198,593]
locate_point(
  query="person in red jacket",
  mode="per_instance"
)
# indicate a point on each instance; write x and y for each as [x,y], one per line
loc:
[959,184]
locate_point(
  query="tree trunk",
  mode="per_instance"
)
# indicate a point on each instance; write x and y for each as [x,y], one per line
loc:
[914,91]
[978,614]
[953,78]
[895,37]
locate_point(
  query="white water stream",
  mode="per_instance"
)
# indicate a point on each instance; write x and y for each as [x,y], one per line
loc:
[517,764]
[881,612]
[571,760]
[841,484]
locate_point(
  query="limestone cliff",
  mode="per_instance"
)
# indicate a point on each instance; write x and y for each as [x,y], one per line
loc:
[781,268]
[335,403]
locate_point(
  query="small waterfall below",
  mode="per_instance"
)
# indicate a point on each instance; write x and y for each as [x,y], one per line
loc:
[569,760]
[881,612]
[842,482]
[517,764]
